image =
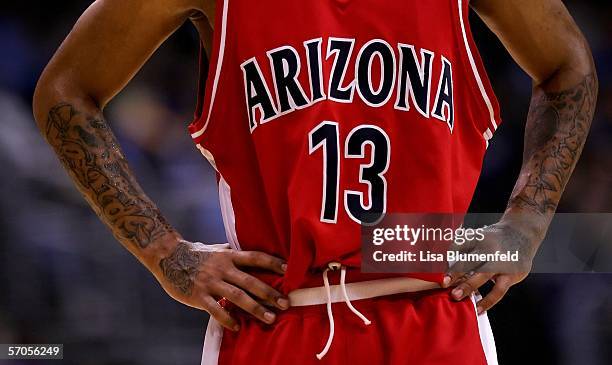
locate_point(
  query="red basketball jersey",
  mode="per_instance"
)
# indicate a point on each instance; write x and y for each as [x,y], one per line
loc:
[321,115]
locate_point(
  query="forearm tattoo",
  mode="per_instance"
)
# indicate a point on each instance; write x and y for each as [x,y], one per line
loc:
[557,127]
[181,267]
[90,153]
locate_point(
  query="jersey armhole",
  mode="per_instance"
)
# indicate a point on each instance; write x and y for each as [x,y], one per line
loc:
[482,82]
[210,72]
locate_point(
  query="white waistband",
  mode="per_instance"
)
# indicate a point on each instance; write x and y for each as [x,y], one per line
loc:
[359,290]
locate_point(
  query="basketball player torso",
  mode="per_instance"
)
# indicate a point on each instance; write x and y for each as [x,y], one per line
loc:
[322,115]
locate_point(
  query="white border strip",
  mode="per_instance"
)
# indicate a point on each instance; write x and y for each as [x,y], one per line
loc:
[225,202]
[486,334]
[487,135]
[227,212]
[212,343]
[475,69]
[217,71]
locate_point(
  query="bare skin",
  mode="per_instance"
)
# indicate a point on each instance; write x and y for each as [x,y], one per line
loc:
[114,38]
[68,106]
[544,40]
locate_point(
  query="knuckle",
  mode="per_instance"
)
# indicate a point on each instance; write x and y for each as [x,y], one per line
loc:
[269,294]
[261,259]
[467,287]
[457,276]
[212,274]
[502,285]
[501,291]
[220,314]
[223,319]
[258,310]
[207,283]
[233,275]
[249,281]
[454,276]
[237,256]
[235,293]
[251,256]
[485,304]
[211,307]
[275,261]
[507,285]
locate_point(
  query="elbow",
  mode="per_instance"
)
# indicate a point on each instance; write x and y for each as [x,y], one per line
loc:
[53,90]
[576,66]
[47,94]
[41,93]
[580,59]
[580,68]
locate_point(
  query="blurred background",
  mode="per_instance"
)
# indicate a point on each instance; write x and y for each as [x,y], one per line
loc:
[64,279]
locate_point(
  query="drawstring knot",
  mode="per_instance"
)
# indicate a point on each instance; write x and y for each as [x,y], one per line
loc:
[334,266]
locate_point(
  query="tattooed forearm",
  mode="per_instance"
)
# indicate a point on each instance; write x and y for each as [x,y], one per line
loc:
[181,267]
[89,151]
[557,127]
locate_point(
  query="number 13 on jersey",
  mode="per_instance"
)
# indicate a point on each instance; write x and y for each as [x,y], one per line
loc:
[326,136]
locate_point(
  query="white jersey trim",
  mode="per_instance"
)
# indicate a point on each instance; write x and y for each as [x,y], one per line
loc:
[217,70]
[214,330]
[481,86]
[486,334]
[225,202]
[212,342]
[227,211]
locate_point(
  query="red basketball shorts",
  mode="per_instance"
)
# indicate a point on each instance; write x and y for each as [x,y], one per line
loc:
[415,328]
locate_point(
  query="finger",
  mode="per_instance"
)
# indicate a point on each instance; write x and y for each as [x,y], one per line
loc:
[502,284]
[461,267]
[260,260]
[241,299]
[470,285]
[457,272]
[452,278]
[257,288]
[220,314]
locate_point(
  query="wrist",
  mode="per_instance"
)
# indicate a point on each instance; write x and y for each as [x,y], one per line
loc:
[160,249]
[532,224]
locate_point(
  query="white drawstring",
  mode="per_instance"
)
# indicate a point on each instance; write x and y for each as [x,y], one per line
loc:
[330,314]
[366,321]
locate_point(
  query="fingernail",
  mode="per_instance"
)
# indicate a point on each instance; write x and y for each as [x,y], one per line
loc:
[269,316]
[446,281]
[458,293]
[236,328]
[284,267]
[479,310]
[283,303]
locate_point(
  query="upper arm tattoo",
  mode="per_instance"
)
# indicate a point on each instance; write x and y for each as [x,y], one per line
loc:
[556,130]
[90,153]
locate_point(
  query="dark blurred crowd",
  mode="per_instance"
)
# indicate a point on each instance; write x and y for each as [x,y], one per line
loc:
[64,279]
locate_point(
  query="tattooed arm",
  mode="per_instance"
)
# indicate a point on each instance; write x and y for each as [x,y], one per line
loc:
[89,151]
[544,40]
[107,46]
[557,126]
